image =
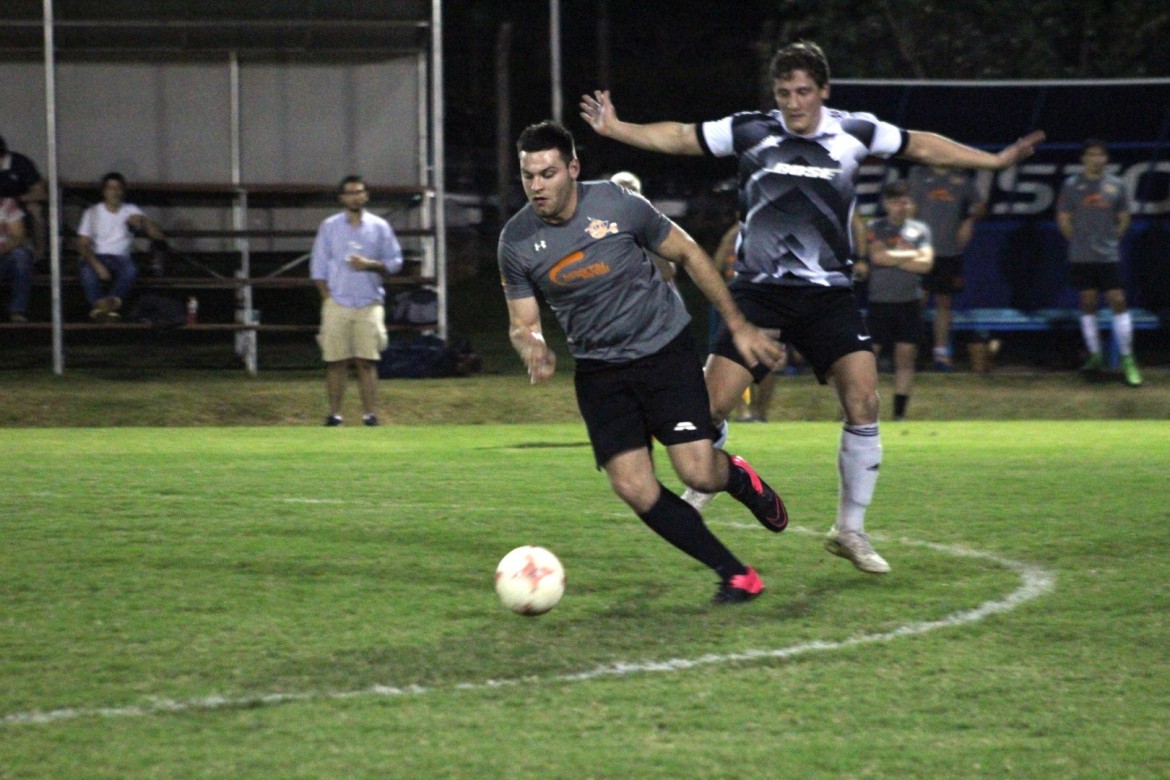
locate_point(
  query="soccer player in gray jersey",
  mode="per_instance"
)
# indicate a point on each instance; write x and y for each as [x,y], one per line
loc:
[899,253]
[1093,214]
[584,246]
[797,168]
[948,201]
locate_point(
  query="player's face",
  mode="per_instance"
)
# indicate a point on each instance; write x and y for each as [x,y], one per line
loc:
[550,184]
[1094,159]
[799,99]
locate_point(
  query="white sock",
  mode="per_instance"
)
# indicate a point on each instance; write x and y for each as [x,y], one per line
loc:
[719,442]
[858,461]
[1089,332]
[941,353]
[1123,332]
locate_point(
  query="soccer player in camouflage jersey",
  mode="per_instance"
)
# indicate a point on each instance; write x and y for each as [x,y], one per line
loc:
[585,246]
[1092,212]
[797,168]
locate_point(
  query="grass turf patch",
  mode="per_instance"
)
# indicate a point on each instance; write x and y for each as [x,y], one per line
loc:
[142,566]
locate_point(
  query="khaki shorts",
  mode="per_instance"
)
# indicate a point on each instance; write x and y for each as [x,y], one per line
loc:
[352,333]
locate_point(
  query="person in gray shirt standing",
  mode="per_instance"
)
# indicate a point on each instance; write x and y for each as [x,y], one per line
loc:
[900,253]
[1093,214]
[950,204]
[586,247]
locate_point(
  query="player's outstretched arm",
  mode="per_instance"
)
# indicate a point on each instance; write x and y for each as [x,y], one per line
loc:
[935,149]
[667,137]
[525,334]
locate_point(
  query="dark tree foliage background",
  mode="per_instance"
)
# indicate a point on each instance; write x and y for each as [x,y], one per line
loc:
[700,59]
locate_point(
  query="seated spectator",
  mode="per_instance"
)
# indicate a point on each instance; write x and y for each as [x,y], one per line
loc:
[16,258]
[20,180]
[107,230]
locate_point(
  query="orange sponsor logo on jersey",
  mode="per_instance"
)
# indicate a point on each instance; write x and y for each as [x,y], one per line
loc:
[569,269]
[1095,200]
[941,193]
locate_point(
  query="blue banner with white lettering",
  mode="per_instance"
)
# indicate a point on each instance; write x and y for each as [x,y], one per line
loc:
[1017,257]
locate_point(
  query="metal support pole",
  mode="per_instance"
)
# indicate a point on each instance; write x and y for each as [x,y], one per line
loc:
[247,339]
[439,181]
[54,191]
[554,40]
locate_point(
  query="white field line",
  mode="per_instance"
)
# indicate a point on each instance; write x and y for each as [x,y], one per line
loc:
[1034,582]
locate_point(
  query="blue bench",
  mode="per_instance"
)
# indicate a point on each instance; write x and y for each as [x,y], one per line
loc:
[1006,320]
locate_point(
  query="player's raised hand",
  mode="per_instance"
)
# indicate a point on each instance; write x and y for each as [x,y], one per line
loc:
[597,110]
[1022,149]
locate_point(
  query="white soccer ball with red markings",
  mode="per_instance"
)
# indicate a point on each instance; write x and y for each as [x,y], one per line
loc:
[530,580]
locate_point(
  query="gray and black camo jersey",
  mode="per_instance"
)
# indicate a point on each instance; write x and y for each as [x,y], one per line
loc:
[796,192]
[595,273]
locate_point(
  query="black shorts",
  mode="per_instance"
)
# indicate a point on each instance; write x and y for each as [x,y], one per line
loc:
[823,323]
[661,396]
[895,323]
[1095,276]
[945,275]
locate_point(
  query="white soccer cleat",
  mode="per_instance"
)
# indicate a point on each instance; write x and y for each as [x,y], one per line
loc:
[697,498]
[854,546]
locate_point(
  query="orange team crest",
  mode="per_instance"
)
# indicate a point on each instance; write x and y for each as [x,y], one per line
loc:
[600,228]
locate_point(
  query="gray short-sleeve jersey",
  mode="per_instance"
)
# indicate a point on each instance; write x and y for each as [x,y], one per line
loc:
[894,285]
[1094,205]
[796,192]
[596,274]
[943,199]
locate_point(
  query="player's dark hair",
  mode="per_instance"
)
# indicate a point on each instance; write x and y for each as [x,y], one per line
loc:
[896,189]
[351,179]
[114,176]
[1094,143]
[548,135]
[801,55]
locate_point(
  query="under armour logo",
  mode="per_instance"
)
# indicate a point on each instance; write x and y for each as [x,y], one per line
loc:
[685,426]
[539,245]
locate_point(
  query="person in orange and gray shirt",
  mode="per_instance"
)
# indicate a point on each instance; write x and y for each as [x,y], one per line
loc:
[1093,214]
[949,202]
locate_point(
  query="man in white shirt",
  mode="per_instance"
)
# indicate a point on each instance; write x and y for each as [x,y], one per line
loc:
[104,238]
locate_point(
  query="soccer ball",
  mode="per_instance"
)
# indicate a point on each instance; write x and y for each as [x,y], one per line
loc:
[530,580]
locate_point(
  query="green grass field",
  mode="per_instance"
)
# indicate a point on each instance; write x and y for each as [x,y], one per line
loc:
[299,602]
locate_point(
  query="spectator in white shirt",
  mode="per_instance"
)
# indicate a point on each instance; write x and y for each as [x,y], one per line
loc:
[104,239]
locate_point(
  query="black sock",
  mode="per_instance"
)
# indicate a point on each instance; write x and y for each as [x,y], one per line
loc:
[900,402]
[739,482]
[679,523]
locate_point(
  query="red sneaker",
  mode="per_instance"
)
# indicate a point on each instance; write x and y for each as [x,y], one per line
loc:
[741,587]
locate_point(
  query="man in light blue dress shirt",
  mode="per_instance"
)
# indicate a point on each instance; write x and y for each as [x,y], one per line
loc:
[352,252]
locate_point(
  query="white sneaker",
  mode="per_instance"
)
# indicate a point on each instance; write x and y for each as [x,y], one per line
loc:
[697,498]
[854,546]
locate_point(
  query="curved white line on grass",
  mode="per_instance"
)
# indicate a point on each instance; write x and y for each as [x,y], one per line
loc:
[1034,582]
